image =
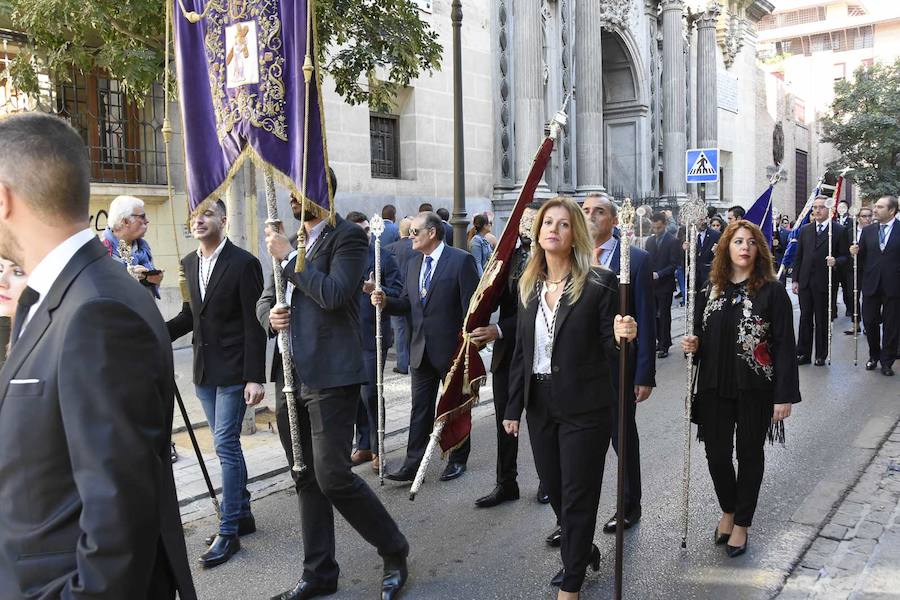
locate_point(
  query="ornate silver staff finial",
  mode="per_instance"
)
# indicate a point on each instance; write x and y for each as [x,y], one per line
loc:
[626,226]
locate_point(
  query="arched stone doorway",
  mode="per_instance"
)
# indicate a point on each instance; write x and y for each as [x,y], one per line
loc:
[625,120]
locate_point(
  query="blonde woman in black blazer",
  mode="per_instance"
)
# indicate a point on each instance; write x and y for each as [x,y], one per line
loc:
[560,372]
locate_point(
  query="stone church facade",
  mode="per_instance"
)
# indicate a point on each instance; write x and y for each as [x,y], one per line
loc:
[646,79]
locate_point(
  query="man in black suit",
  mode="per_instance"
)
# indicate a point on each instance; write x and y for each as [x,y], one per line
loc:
[879,261]
[323,325]
[439,284]
[86,395]
[665,254]
[402,251]
[602,218]
[503,334]
[707,238]
[810,279]
[444,214]
[863,220]
[229,360]
[367,414]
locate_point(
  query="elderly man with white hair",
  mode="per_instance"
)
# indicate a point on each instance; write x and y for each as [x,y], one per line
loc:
[127,221]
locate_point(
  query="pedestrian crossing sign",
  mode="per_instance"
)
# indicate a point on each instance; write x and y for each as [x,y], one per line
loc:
[702,165]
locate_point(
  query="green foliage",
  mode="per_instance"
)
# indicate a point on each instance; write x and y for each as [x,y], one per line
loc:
[361,42]
[864,126]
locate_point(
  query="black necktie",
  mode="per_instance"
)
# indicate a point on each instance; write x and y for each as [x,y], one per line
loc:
[28,299]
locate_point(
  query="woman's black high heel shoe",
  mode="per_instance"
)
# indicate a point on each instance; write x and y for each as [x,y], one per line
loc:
[595,557]
[735,551]
[720,538]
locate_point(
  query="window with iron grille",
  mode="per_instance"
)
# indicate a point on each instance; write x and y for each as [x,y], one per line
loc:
[384,137]
[124,139]
[801,164]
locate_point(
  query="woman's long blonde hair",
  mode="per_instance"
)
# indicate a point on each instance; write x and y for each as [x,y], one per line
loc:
[536,270]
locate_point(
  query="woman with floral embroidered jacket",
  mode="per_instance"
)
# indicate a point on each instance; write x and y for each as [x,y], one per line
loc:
[747,380]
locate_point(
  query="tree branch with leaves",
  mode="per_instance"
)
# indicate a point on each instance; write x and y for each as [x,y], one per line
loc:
[864,126]
[370,48]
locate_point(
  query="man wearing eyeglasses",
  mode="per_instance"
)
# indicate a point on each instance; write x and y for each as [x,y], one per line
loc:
[811,263]
[436,293]
[127,222]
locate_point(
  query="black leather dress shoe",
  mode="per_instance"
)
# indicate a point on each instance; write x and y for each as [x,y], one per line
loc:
[246,526]
[401,372]
[887,371]
[401,475]
[558,578]
[662,354]
[820,362]
[735,551]
[395,575]
[554,540]
[803,360]
[452,471]
[306,589]
[541,496]
[871,365]
[632,516]
[720,538]
[222,548]
[502,493]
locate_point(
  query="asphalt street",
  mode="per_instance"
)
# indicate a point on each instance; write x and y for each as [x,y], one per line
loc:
[463,553]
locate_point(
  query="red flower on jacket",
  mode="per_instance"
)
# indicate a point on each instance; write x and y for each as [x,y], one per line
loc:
[761,354]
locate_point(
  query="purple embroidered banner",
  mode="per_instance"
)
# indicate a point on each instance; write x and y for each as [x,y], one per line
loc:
[242,95]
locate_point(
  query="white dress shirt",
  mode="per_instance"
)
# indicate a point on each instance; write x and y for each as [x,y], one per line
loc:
[49,269]
[206,265]
[435,257]
[609,248]
[545,318]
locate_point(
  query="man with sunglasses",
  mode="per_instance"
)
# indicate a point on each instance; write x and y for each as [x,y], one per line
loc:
[436,293]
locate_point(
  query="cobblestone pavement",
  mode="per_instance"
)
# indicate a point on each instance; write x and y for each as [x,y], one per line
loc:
[856,555]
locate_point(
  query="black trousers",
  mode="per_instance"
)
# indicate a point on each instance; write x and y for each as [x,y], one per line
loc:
[843,276]
[632,447]
[663,320]
[568,455]
[746,420]
[326,435]
[881,310]
[813,323]
[425,382]
[507,445]
[367,413]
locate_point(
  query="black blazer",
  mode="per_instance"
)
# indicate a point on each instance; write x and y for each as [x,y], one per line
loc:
[665,256]
[325,309]
[403,251]
[810,270]
[509,313]
[583,346]
[880,270]
[436,325]
[705,255]
[87,499]
[229,345]
[391,285]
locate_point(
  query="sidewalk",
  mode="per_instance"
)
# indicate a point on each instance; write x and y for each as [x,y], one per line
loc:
[856,555]
[266,463]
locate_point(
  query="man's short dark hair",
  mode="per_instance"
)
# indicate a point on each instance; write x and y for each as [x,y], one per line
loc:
[389,212]
[659,217]
[892,202]
[426,207]
[443,213]
[432,221]
[221,208]
[710,212]
[354,216]
[737,211]
[45,161]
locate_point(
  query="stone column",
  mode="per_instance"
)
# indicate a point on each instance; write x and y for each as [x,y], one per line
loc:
[707,98]
[674,103]
[589,96]
[528,84]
